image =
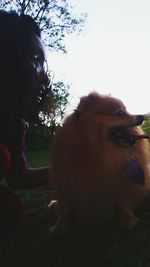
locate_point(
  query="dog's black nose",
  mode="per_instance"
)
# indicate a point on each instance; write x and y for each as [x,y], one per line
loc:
[139,119]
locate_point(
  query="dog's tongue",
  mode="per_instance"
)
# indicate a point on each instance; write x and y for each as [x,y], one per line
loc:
[140,136]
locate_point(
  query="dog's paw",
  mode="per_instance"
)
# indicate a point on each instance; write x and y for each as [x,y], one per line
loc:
[53,204]
[129,220]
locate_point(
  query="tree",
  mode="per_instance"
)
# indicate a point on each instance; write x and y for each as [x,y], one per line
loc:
[55,18]
[57,101]
[54,112]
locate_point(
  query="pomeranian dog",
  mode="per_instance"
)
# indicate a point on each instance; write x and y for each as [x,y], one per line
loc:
[100,164]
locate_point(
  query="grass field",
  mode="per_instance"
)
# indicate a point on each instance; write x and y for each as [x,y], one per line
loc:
[31,245]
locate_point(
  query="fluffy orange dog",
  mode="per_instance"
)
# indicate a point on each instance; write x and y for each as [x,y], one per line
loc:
[100,164]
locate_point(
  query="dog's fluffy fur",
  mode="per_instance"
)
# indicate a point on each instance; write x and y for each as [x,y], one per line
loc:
[91,164]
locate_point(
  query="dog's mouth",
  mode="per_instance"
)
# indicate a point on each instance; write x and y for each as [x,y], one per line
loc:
[127,135]
[124,136]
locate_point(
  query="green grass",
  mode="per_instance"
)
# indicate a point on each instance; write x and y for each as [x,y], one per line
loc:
[31,245]
[38,156]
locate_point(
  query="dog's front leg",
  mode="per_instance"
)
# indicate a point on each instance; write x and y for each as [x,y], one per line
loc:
[61,224]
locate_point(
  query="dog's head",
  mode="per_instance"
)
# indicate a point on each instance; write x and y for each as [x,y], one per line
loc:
[110,118]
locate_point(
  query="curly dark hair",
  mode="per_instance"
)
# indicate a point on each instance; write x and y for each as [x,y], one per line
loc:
[17,75]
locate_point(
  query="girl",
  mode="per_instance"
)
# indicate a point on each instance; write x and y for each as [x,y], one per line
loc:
[24,84]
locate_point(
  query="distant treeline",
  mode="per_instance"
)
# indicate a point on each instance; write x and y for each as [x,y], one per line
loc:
[39,135]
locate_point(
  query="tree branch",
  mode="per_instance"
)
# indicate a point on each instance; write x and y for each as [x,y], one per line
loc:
[27,3]
[23,5]
[42,9]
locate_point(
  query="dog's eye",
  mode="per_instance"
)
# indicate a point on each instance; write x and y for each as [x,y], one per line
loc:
[120,113]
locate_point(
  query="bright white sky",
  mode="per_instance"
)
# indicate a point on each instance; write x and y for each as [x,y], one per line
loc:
[112,54]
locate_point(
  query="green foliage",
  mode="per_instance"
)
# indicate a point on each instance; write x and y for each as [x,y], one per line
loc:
[55,18]
[146,126]
[56,104]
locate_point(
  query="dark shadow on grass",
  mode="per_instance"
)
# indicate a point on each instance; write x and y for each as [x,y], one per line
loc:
[109,246]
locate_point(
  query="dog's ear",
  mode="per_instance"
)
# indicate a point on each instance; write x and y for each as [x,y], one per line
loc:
[88,102]
[77,113]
